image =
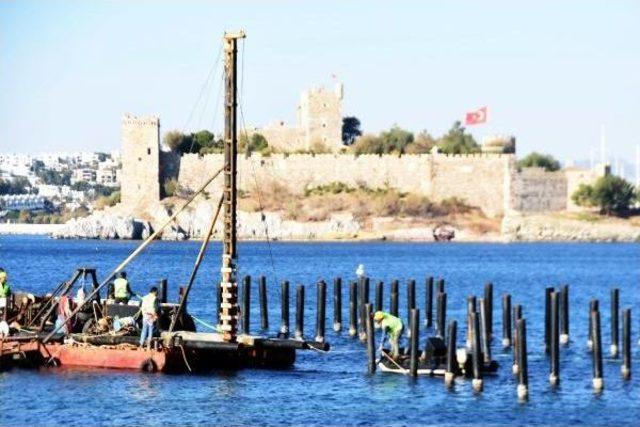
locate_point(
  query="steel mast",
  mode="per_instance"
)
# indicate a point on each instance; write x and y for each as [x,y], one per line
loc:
[229,284]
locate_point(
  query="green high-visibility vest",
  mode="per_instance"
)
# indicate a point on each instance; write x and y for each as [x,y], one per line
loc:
[120,286]
[5,290]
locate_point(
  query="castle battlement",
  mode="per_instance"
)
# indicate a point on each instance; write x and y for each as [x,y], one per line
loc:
[131,120]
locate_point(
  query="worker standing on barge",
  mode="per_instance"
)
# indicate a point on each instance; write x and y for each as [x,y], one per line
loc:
[5,289]
[121,290]
[149,309]
[392,327]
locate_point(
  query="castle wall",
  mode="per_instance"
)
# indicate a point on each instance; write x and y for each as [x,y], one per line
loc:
[536,190]
[140,179]
[575,177]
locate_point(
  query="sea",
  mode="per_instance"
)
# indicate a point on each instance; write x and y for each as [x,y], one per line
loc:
[334,388]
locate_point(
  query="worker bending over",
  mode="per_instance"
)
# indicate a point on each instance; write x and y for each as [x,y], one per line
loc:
[149,309]
[392,327]
[121,290]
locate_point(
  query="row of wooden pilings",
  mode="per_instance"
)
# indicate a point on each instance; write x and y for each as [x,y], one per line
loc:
[479,325]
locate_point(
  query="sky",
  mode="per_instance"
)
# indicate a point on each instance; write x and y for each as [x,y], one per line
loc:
[551,72]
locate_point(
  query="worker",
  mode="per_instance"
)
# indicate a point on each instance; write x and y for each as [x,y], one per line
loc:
[149,309]
[392,328]
[122,291]
[5,289]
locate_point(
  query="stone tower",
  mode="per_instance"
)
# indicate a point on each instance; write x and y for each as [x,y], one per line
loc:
[140,182]
[320,116]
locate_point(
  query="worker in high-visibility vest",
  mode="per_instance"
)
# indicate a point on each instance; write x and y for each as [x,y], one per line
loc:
[149,309]
[5,289]
[392,327]
[121,289]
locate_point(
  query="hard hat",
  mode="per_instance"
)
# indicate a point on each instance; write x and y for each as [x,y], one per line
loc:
[378,316]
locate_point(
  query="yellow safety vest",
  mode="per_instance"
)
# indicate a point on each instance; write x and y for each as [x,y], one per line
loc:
[148,304]
[120,288]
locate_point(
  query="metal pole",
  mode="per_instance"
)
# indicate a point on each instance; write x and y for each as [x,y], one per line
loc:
[337,304]
[264,307]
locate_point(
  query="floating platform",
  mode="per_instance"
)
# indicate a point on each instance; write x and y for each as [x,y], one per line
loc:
[433,366]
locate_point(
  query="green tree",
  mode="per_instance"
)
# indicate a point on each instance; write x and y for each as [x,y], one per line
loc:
[254,143]
[18,185]
[546,161]
[52,177]
[423,144]
[396,139]
[350,130]
[173,140]
[457,141]
[368,144]
[611,194]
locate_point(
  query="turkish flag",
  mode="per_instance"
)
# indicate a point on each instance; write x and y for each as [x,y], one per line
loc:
[476,117]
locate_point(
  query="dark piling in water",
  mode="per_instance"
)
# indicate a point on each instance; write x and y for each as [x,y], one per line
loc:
[320,311]
[523,371]
[364,300]
[429,302]
[475,352]
[299,312]
[449,375]
[485,344]
[163,291]
[564,315]
[415,335]
[262,295]
[554,374]
[506,321]
[598,381]
[593,306]
[471,308]
[284,309]
[371,341]
[353,309]
[393,306]
[440,285]
[337,304]
[625,369]
[547,318]
[517,315]
[411,302]
[441,314]
[246,305]
[379,295]
[488,302]
[615,325]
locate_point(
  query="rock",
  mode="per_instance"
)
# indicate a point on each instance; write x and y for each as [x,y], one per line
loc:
[101,225]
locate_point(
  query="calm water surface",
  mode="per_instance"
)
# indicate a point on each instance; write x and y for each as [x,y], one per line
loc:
[334,388]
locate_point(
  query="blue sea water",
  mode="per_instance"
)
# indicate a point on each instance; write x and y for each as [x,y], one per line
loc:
[334,388]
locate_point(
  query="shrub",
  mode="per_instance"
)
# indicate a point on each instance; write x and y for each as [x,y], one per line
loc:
[171,187]
[368,144]
[611,194]
[546,161]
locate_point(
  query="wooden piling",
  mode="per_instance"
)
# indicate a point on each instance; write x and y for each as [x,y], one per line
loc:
[593,306]
[517,315]
[163,291]
[246,305]
[471,308]
[449,375]
[441,314]
[547,318]
[523,371]
[353,309]
[475,352]
[364,300]
[485,345]
[598,381]
[429,302]
[554,367]
[625,369]
[411,302]
[415,335]
[488,301]
[615,325]
[337,304]
[264,310]
[320,311]
[299,312]
[440,285]
[284,309]
[506,321]
[393,306]
[379,295]
[564,315]
[371,340]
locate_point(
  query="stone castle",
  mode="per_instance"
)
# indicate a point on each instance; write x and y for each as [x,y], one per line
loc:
[490,181]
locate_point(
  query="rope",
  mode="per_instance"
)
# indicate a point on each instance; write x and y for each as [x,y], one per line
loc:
[202,88]
[184,357]
[203,323]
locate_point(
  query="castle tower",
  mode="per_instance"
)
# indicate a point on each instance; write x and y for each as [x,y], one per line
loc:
[320,116]
[140,180]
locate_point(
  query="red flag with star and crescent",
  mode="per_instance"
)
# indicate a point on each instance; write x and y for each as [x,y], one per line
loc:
[476,117]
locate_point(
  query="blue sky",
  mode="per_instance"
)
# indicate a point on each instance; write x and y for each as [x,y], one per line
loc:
[551,72]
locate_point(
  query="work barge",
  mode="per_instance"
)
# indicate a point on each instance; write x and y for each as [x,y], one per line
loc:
[91,338]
